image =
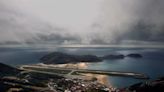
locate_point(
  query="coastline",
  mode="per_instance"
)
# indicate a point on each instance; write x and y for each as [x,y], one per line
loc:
[101,72]
[84,73]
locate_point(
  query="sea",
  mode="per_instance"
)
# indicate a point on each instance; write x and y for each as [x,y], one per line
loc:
[152,63]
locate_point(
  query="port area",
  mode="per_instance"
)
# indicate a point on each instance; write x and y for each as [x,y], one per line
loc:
[76,73]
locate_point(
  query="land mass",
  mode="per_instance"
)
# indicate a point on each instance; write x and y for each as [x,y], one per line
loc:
[33,78]
[62,58]
[148,86]
[7,70]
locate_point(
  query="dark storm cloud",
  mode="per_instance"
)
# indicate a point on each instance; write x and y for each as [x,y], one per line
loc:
[119,22]
[145,32]
[17,28]
[150,27]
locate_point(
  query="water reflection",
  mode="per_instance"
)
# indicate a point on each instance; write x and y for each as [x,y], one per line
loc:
[72,66]
[104,79]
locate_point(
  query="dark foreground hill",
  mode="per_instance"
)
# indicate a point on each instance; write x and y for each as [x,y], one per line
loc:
[7,70]
[149,86]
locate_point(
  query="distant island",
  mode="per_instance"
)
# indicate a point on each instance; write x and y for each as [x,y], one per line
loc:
[62,58]
[133,55]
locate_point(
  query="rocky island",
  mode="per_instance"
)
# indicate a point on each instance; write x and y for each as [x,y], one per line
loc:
[134,55]
[63,58]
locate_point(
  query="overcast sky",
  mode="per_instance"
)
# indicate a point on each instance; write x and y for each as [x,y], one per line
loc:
[82,21]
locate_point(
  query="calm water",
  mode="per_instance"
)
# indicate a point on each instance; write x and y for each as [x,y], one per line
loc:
[152,63]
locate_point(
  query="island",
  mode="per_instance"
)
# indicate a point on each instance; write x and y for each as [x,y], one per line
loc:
[63,58]
[134,55]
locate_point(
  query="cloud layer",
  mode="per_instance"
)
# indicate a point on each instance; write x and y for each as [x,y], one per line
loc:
[82,21]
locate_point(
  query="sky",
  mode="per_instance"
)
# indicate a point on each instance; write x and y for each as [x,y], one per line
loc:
[85,22]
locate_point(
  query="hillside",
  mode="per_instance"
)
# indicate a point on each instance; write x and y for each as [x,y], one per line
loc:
[7,70]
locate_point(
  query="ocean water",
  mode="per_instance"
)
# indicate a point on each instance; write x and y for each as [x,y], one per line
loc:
[152,63]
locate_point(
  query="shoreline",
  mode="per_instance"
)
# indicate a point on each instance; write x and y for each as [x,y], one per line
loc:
[84,73]
[74,70]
